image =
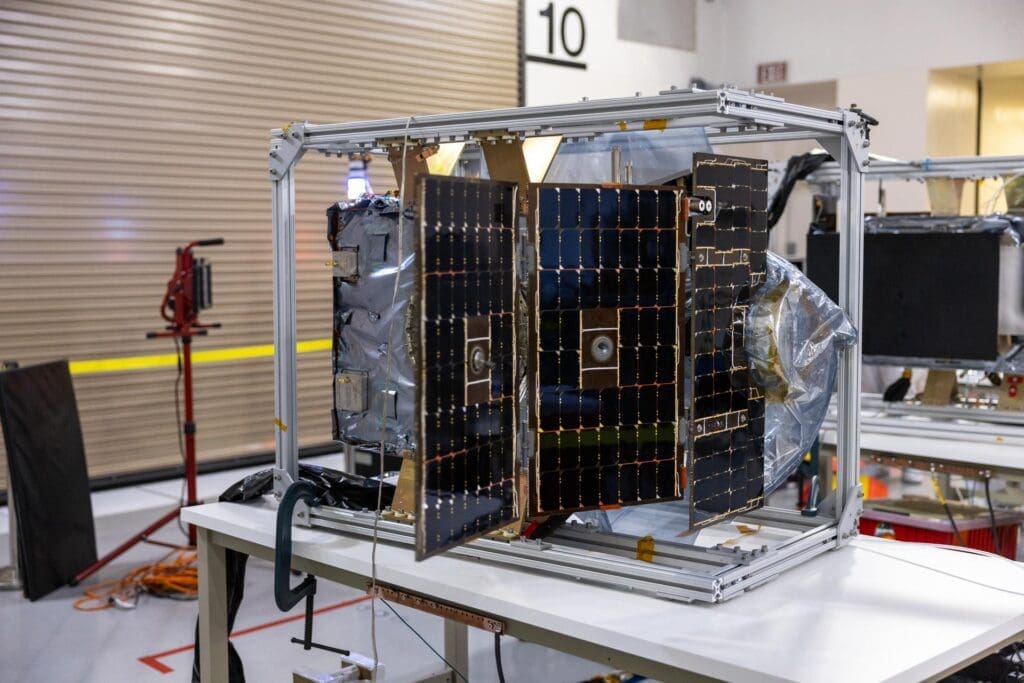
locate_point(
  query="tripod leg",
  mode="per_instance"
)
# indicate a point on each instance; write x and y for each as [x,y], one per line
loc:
[124,547]
[189,429]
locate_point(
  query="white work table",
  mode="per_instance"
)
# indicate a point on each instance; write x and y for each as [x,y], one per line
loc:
[1002,459]
[865,612]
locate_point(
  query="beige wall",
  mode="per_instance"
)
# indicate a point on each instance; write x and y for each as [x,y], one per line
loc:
[130,128]
[1002,120]
[953,120]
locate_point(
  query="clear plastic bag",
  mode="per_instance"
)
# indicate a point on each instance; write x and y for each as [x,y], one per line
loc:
[657,156]
[794,335]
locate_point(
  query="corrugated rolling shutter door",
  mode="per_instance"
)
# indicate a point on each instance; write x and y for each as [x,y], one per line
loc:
[132,127]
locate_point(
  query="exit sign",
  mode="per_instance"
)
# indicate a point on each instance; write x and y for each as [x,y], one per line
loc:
[771,72]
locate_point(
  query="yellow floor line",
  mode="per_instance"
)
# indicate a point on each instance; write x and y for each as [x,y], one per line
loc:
[170,360]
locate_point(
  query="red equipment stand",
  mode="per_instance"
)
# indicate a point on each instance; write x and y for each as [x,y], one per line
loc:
[188,292]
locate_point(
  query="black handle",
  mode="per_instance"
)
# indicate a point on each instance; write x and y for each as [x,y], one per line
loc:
[215,242]
[284,595]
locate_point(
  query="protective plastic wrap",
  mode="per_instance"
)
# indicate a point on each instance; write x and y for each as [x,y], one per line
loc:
[364,239]
[794,335]
[657,156]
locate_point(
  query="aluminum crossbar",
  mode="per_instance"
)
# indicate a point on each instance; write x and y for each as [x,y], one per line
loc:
[724,112]
[971,168]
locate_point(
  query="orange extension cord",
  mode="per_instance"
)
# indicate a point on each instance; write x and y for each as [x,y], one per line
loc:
[175,576]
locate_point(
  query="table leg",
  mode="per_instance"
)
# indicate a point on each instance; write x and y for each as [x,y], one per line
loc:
[456,646]
[213,610]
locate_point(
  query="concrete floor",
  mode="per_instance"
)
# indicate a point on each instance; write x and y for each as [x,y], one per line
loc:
[49,640]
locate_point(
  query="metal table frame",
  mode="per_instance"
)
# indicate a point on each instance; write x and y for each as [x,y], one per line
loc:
[728,116]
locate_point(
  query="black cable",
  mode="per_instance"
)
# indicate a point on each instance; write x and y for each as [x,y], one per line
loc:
[992,516]
[956,530]
[797,168]
[439,655]
[497,657]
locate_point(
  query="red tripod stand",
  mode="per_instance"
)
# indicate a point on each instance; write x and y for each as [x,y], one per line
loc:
[188,293]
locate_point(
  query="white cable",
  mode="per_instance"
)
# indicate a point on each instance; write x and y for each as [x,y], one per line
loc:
[971,551]
[384,405]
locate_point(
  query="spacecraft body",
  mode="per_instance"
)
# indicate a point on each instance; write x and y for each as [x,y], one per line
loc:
[616,345]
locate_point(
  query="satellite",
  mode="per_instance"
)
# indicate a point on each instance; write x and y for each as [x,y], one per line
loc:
[537,351]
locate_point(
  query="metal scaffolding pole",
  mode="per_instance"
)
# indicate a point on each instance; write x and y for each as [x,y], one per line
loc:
[851,270]
[285,361]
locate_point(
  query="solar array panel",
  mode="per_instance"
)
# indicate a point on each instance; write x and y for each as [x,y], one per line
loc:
[466,474]
[727,259]
[607,331]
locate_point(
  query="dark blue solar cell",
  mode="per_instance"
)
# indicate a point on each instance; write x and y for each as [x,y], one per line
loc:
[589,292]
[569,208]
[569,450]
[628,208]
[549,248]
[569,409]
[609,249]
[667,210]
[590,255]
[648,252]
[648,211]
[588,208]
[667,248]
[548,290]
[629,249]
[589,482]
[609,288]
[549,330]
[569,248]
[547,215]
[609,207]
[569,289]
[629,286]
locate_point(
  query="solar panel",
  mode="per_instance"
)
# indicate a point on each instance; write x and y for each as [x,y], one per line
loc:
[606,339]
[727,260]
[466,393]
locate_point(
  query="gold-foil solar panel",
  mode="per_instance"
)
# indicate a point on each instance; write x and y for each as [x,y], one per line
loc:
[727,260]
[607,327]
[466,474]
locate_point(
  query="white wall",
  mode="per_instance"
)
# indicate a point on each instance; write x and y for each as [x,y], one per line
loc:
[879,52]
[829,39]
[616,66]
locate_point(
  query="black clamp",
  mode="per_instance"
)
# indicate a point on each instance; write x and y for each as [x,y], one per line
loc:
[285,596]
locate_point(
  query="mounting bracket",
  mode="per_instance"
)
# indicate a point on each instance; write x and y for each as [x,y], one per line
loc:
[286,150]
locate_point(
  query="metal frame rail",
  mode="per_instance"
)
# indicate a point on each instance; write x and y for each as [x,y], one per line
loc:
[728,116]
[967,168]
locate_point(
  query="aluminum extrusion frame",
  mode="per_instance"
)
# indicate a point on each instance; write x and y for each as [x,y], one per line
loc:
[728,116]
[968,168]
